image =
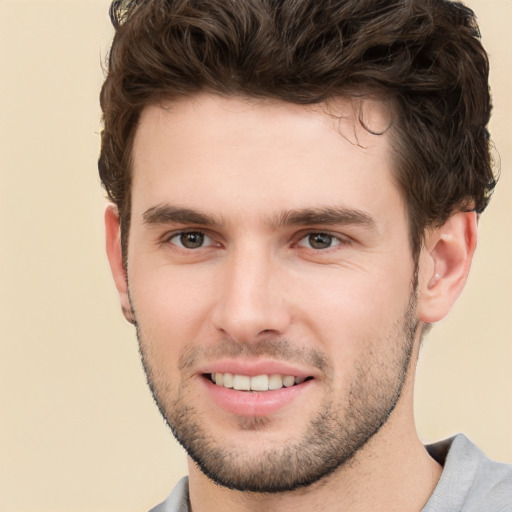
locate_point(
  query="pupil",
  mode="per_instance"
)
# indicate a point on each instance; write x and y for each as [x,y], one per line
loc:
[192,240]
[320,241]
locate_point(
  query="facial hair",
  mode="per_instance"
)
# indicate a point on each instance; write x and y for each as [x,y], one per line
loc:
[340,428]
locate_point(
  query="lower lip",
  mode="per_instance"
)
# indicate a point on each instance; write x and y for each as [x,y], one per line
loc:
[254,403]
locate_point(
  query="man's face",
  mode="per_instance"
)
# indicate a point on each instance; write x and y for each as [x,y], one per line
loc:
[269,246]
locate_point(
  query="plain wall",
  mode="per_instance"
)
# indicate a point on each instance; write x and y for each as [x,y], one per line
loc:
[78,428]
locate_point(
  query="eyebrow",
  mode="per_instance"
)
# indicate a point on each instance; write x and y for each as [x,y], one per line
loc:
[168,214]
[325,216]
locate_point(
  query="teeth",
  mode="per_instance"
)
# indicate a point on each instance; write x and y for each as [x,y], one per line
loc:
[228,380]
[288,381]
[241,383]
[257,383]
[275,382]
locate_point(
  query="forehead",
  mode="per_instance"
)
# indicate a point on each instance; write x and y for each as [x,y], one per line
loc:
[229,153]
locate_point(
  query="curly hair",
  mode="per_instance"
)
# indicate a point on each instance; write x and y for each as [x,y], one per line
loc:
[425,56]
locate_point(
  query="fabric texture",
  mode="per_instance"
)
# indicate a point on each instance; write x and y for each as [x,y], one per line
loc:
[177,501]
[470,482]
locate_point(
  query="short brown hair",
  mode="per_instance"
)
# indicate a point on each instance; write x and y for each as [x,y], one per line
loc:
[423,55]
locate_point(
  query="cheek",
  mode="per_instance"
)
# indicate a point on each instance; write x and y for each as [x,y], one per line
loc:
[351,310]
[170,306]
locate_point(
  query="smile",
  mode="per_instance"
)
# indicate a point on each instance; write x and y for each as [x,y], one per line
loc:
[255,383]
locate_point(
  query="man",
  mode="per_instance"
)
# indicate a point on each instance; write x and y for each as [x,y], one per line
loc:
[295,191]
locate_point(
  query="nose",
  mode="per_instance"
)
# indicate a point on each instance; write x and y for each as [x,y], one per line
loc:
[251,299]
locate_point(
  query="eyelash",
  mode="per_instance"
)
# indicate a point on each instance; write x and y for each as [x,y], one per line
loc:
[299,240]
[168,239]
[333,238]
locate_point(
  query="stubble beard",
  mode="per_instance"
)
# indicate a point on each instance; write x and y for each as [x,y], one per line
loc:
[336,433]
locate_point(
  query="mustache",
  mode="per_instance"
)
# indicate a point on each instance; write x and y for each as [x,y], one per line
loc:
[272,347]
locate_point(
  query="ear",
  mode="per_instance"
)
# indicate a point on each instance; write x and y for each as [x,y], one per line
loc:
[444,265]
[115,258]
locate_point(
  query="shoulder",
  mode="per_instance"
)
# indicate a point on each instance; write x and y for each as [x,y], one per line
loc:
[177,501]
[470,481]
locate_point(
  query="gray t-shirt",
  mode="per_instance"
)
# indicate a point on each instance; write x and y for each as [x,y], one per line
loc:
[470,482]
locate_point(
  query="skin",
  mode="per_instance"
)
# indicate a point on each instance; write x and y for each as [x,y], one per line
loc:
[257,284]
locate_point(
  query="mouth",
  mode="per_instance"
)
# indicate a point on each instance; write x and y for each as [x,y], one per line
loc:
[257,383]
[256,388]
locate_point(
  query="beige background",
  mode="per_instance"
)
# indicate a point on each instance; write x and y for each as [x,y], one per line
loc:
[79,431]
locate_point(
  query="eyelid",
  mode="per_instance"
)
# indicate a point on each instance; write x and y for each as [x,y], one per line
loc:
[341,239]
[214,239]
[167,237]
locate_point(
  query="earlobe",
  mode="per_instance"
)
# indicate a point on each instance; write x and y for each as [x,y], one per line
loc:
[444,265]
[115,258]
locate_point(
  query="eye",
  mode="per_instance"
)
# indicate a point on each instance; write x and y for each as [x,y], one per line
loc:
[319,241]
[191,239]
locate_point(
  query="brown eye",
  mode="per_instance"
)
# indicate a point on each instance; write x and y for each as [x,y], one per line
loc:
[320,240]
[191,240]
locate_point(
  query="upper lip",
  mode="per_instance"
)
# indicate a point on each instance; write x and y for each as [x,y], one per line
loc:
[253,368]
